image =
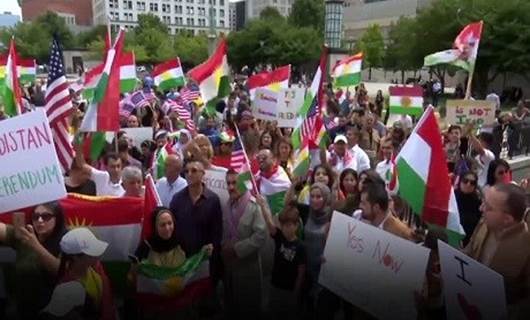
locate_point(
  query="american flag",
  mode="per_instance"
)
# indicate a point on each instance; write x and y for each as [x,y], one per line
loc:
[183,113]
[308,130]
[237,160]
[189,95]
[137,99]
[58,106]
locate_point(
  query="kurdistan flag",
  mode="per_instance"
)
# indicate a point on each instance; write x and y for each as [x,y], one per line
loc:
[91,79]
[159,161]
[169,75]
[465,49]
[312,106]
[26,69]
[347,72]
[274,80]
[274,186]
[11,92]
[174,288]
[127,72]
[103,111]
[301,162]
[423,177]
[406,100]
[117,221]
[212,76]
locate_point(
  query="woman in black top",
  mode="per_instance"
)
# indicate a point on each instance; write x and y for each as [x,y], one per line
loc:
[468,200]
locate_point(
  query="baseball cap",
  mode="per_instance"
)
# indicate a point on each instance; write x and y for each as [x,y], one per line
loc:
[82,240]
[339,138]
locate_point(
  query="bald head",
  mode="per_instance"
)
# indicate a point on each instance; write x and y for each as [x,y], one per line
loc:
[265,159]
[173,167]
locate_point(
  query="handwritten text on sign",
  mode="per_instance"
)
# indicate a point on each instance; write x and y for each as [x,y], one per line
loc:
[479,112]
[289,102]
[265,104]
[370,268]
[23,180]
[471,290]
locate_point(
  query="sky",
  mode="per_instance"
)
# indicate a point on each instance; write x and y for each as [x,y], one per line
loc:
[9,5]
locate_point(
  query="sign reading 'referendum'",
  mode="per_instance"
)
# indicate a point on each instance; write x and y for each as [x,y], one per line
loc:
[29,170]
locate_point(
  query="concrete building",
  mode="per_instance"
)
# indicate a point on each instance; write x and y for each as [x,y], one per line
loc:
[7,19]
[237,15]
[77,14]
[192,16]
[254,7]
[360,14]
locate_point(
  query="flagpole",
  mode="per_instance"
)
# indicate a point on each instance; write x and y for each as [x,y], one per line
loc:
[469,82]
[254,184]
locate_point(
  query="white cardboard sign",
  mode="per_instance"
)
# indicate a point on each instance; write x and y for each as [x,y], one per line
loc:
[289,102]
[265,104]
[471,290]
[215,180]
[373,269]
[29,169]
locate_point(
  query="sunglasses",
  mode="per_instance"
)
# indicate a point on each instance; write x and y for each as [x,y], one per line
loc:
[473,182]
[43,216]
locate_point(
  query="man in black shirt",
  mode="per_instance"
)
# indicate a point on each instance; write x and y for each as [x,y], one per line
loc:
[78,181]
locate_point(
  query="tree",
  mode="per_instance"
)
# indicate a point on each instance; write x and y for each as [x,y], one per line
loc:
[191,50]
[275,42]
[270,13]
[308,13]
[505,43]
[372,45]
[33,39]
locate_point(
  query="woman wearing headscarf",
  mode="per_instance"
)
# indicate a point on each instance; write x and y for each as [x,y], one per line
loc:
[37,260]
[183,139]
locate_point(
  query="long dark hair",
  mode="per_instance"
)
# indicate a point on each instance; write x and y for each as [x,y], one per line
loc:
[490,180]
[329,173]
[52,242]
[343,175]
[155,241]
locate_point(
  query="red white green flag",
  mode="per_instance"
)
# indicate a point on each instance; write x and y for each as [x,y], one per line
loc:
[127,72]
[103,111]
[212,76]
[168,75]
[27,69]
[347,72]
[11,92]
[406,100]
[274,80]
[423,176]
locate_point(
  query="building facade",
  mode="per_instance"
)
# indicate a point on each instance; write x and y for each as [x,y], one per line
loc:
[237,15]
[76,13]
[191,16]
[359,15]
[7,19]
[254,7]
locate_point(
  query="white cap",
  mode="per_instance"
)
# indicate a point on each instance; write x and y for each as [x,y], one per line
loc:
[340,137]
[65,297]
[82,240]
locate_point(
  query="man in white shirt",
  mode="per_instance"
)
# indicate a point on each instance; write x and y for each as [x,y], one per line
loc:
[362,160]
[340,156]
[384,167]
[485,156]
[108,183]
[172,182]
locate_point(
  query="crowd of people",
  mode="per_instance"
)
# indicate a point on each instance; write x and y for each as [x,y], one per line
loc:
[264,259]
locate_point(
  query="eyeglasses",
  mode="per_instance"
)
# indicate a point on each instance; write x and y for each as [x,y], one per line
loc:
[46,216]
[473,182]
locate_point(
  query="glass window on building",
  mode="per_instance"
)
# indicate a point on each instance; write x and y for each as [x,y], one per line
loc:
[222,23]
[221,2]
[221,12]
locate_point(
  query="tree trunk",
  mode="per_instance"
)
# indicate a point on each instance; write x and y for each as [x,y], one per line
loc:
[370,73]
[402,76]
[480,82]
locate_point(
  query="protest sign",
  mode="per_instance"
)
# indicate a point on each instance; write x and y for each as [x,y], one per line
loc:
[265,104]
[289,102]
[215,180]
[372,268]
[479,112]
[471,290]
[29,170]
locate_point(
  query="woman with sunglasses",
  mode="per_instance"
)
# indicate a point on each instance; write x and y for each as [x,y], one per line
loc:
[468,200]
[498,172]
[37,262]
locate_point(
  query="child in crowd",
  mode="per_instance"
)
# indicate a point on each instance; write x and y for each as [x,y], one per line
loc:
[289,264]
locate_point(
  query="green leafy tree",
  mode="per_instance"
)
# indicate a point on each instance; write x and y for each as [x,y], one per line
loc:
[372,45]
[308,13]
[33,39]
[191,50]
[270,13]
